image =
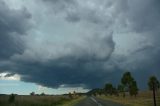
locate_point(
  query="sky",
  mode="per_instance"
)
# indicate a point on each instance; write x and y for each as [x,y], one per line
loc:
[58,46]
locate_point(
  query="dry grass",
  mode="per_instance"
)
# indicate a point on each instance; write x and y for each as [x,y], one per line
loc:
[143,99]
[38,101]
[73,102]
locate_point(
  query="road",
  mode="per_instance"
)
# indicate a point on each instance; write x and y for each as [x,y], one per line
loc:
[92,101]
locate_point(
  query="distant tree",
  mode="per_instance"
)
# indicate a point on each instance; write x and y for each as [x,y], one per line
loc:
[115,91]
[99,91]
[42,94]
[32,93]
[120,89]
[109,88]
[133,90]
[153,85]
[70,95]
[11,98]
[129,83]
[74,94]
[127,80]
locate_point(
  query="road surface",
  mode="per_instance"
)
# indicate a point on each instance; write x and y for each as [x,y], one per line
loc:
[92,101]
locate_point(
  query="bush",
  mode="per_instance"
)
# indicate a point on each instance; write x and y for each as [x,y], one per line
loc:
[11,98]
[32,93]
[70,95]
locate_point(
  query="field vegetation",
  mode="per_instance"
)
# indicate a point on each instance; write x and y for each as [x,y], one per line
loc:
[144,98]
[17,100]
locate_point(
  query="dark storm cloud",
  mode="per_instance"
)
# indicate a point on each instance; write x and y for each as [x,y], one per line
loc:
[12,25]
[80,67]
[61,74]
[90,61]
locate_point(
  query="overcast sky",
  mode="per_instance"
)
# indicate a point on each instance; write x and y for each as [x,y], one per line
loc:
[78,43]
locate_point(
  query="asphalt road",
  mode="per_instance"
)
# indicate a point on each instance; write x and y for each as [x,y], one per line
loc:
[92,101]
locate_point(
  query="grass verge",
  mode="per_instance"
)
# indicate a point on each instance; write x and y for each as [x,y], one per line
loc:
[73,102]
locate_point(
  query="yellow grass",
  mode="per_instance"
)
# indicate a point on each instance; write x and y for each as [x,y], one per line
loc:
[73,102]
[143,99]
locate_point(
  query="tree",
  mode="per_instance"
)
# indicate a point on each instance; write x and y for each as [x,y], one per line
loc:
[109,88]
[153,85]
[70,95]
[32,93]
[129,83]
[115,91]
[11,98]
[126,80]
[133,89]
[120,89]
[42,94]
[153,81]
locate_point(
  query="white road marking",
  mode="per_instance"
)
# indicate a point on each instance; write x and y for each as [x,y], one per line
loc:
[95,101]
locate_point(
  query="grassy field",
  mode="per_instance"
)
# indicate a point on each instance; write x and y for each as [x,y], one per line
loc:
[143,99]
[73,102]
[40,101]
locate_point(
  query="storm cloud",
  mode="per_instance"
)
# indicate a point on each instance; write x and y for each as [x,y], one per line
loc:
[79,43]
[13,24]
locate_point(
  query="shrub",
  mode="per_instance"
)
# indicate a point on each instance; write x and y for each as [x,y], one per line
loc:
[11,98]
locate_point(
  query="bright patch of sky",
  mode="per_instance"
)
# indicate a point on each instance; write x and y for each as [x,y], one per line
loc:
[12,84]
[23,88]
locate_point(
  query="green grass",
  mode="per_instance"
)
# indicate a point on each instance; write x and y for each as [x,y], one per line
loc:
[142,99]
[40,101]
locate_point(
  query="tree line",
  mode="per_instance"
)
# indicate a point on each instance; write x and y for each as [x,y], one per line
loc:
[128,85]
